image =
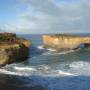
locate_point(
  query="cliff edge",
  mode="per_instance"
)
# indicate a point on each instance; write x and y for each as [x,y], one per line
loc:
[62,42]
[12,48]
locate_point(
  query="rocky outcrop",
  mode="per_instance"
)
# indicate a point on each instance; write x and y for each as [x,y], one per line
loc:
[12,48]
[65,42]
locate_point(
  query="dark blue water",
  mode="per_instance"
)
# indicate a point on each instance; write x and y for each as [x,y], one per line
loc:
[46,68]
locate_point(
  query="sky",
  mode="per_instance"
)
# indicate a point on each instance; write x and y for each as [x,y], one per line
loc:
[45,16]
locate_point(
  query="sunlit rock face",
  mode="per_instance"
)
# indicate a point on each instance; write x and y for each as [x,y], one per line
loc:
[62,42]
[12,48]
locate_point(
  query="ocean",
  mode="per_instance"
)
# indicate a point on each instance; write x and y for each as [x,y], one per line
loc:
[68,70]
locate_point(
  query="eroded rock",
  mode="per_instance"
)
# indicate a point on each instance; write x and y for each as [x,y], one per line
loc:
[65,42]
[12,48]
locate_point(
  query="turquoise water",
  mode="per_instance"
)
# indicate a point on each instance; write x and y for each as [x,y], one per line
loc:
[46,67]
[66,61]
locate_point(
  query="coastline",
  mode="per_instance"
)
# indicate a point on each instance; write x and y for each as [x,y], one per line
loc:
[12,48]
[47,70]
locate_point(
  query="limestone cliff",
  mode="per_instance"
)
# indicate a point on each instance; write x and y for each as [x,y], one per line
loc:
[12,48]
[64,42]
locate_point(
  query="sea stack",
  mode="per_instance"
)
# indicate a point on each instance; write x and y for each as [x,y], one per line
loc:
[12,48]
[63,42]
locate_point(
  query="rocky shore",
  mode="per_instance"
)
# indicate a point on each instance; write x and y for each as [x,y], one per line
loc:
[63,42]
[12,48]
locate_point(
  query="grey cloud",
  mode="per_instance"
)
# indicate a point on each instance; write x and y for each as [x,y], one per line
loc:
[63,18]
[48,17]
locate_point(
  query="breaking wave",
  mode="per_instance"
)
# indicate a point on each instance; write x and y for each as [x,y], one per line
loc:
[80,67]
[40,47]
[50,80]
[53,52]
[53,79]
[42,70]
[50,51]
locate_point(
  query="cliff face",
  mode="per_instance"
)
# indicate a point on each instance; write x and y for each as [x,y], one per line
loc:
[12,48]
[64,42]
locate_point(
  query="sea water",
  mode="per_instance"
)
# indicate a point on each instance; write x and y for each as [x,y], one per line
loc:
[68,70]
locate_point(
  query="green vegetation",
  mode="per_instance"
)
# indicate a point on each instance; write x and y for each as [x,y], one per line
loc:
[7,38]
[64,35]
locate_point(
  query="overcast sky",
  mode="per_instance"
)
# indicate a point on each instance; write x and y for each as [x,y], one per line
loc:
[45,16]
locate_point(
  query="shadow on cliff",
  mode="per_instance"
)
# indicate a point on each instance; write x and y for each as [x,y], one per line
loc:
[8,82]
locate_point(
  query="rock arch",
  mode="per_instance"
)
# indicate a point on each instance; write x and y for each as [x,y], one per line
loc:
[83,45]
[64,42]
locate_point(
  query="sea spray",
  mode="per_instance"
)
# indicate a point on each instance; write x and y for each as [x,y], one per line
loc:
[54,71]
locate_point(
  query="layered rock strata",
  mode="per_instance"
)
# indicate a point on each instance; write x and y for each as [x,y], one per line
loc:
[62,42]
[12,48]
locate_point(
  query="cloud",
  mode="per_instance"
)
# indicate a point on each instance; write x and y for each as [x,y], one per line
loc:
[49,16]
[62,17]
[45,6]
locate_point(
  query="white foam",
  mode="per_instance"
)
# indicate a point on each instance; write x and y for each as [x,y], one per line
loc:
[66,52]
[42,70]
[78,64]
[49,49]
[3,71]
[50,79]
[53,52]
[56,82]
[40,47]
[24,68]
[80,67]
[66,73]
[43,67]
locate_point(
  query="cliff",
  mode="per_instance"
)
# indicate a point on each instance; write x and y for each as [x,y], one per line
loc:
[12,48]
[65,42]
